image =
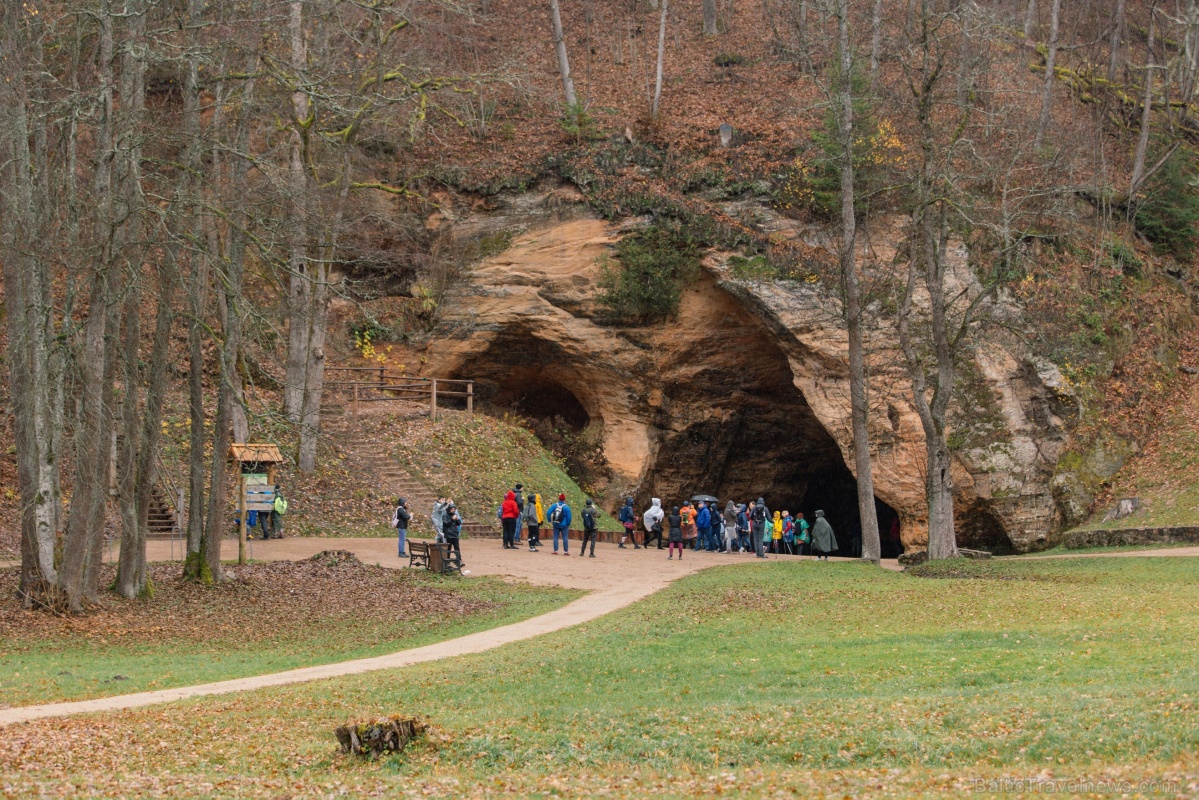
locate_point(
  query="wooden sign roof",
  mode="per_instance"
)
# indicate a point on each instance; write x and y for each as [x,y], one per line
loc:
[255,453]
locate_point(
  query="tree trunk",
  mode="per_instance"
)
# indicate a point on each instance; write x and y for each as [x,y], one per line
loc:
[661,58]
[568,84]
[926,264]
[876,40]
[310,424]
[194,565]
[1113,56]
[232,269]
[131,561]
[710,27]
[298,279]
[1030,19]
[28,299]
[1050,76]
[1138,161]
[853,293]
[942,542]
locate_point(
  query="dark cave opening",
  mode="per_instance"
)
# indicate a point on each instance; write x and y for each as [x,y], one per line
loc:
[550,400]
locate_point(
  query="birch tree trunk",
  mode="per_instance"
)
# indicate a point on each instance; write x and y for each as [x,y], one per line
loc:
[853,293]
[568,84]
[710,26]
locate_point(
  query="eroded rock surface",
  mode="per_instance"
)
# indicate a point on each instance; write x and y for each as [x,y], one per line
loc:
[746,392]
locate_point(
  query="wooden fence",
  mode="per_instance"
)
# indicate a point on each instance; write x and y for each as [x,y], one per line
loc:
[380,385]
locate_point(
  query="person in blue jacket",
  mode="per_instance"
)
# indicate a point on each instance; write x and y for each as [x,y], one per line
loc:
[560,518]
[628,519]
[703,525]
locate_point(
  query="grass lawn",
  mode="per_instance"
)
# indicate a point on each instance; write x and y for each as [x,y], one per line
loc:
[266,622]
[796,679]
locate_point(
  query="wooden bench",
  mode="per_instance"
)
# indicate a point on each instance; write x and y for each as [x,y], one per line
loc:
[418,554]
[442,559]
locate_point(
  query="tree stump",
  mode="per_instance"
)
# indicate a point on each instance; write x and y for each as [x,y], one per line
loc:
[386,735]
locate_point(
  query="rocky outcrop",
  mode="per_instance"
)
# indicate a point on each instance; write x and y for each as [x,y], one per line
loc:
[746,392]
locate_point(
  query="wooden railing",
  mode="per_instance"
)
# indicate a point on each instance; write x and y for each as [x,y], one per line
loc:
[382,385]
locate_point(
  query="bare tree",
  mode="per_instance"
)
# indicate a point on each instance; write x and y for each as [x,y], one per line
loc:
[1138,162]
[29,299]
[661,58]
[1117,38]
[876,39]
[843,101]
[1050,74]
[932,373]
[710,25]
[568,84]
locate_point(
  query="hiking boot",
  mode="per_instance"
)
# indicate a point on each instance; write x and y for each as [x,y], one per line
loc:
[621,546]
[592,555]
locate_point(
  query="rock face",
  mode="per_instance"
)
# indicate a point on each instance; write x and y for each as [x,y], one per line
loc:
[746,393]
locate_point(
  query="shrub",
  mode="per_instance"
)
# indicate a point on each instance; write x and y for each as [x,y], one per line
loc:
[1168,214]
[654,265]
[755,267]
[813,181]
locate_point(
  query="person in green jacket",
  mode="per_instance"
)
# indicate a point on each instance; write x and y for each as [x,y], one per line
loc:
[823,540]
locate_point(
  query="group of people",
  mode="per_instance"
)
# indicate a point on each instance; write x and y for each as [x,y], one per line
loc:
[740,528]
[447,524]
[524,509]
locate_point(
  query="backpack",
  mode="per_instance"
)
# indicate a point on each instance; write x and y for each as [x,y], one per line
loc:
[399,520]
[589,520]
[281,505]
[558,514]
[759,514]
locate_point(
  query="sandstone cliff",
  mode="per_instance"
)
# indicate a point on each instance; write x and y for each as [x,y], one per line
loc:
[745,393]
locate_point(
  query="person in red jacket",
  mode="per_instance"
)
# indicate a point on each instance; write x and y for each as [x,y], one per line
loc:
[509,513]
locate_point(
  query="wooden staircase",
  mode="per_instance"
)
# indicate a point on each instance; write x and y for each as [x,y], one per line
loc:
[163,522]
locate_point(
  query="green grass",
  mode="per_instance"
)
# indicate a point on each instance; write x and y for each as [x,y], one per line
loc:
[85,665]
[1164,505]
[476,458]
[799,679]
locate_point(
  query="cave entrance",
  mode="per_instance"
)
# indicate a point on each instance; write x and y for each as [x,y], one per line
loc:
[835,492]
[750,433]
[550,400]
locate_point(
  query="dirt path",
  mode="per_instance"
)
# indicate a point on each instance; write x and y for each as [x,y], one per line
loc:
[613,579]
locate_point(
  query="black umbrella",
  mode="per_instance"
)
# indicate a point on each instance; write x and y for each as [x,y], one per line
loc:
[705,498]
